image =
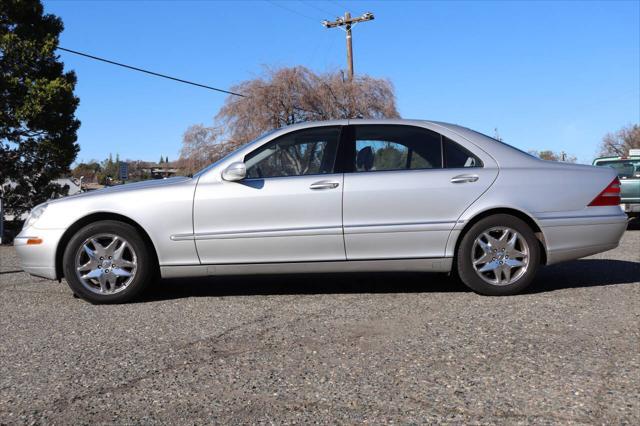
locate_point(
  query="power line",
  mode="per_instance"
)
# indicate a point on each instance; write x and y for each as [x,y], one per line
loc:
[316,7]
[339,4]
[291,10]
[75,52]
[163,75]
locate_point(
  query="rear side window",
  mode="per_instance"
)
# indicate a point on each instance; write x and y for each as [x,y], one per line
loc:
[389,147]
[457,157]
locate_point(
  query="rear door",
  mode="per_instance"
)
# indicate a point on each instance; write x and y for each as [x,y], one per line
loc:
[405,189]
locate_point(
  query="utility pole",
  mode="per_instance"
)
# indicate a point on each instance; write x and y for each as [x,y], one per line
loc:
[348,22]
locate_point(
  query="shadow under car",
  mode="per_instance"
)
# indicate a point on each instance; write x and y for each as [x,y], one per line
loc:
[575,274]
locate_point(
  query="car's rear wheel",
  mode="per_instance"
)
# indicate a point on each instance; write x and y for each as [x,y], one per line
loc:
[107,262]
[498,256]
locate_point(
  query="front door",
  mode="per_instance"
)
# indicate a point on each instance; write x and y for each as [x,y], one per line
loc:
[407,188]
[288,209]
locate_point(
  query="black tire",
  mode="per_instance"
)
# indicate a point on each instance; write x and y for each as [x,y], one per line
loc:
[145,262]
[465,268]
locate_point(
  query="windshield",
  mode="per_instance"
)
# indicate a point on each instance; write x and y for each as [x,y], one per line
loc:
[264,135]
[627,169]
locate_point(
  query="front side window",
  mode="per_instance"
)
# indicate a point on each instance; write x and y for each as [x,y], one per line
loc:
[393,147]
[304,152]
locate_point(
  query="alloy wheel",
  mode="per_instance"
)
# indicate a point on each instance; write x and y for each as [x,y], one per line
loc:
[500,256]
[106,264]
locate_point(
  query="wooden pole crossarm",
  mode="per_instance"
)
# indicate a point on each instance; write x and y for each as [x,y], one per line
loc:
[348,22]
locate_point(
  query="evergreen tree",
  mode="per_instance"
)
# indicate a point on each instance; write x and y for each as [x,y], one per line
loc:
[37,106]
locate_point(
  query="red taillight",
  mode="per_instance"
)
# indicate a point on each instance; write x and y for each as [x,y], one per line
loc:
[610,196]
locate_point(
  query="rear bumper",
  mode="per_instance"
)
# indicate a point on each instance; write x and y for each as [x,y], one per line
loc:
[38,259]
[573,237]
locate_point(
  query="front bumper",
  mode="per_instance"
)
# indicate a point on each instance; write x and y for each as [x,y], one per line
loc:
[38,259]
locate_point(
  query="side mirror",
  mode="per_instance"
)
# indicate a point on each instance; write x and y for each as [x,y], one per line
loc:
[235,172]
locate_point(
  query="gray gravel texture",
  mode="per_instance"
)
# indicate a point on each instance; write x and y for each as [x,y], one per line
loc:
[378,348]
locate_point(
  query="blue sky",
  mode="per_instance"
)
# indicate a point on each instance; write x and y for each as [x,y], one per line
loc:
[548,75]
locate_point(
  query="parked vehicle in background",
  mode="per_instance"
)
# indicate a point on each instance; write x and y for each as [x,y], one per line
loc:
[628,169]
[348,195]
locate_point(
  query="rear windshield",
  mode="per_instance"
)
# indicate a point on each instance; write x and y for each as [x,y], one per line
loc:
[528,154]
[627,169]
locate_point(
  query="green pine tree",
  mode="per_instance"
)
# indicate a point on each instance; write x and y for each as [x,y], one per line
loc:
[37,106]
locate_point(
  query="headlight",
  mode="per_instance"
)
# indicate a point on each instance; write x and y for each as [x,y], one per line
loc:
[34,215]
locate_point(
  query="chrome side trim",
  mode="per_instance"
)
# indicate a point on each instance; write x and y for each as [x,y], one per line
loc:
[182,237]
[617,216]
[286,232]
[321,230]
[395,265]
[555,221]
[399,227]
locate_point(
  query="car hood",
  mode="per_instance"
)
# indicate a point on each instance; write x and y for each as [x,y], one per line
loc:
[129,187]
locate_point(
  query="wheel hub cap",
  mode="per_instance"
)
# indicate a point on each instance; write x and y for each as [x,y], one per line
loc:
[500,256]
[106,264]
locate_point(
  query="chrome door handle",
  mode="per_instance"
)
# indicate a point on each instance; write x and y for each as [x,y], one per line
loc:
[464,178]
[324,184]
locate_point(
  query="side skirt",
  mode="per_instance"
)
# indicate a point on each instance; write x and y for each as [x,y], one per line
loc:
[389,265]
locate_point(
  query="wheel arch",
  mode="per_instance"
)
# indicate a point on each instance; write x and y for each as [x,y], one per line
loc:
[510,211]
[95,217]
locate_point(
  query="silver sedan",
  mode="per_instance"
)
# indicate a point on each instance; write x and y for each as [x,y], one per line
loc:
[350,195]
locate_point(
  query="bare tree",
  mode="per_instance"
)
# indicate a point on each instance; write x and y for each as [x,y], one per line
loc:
[291,95]
[620,142]
[200,146]
[554,156]
[282,97]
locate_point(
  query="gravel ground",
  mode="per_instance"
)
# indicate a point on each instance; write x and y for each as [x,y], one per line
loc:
[407,348]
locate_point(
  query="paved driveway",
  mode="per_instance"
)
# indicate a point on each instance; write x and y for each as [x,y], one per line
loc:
[336,348]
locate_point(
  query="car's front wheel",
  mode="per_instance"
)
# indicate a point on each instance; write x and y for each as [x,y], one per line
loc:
[107,262]
[498,256]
